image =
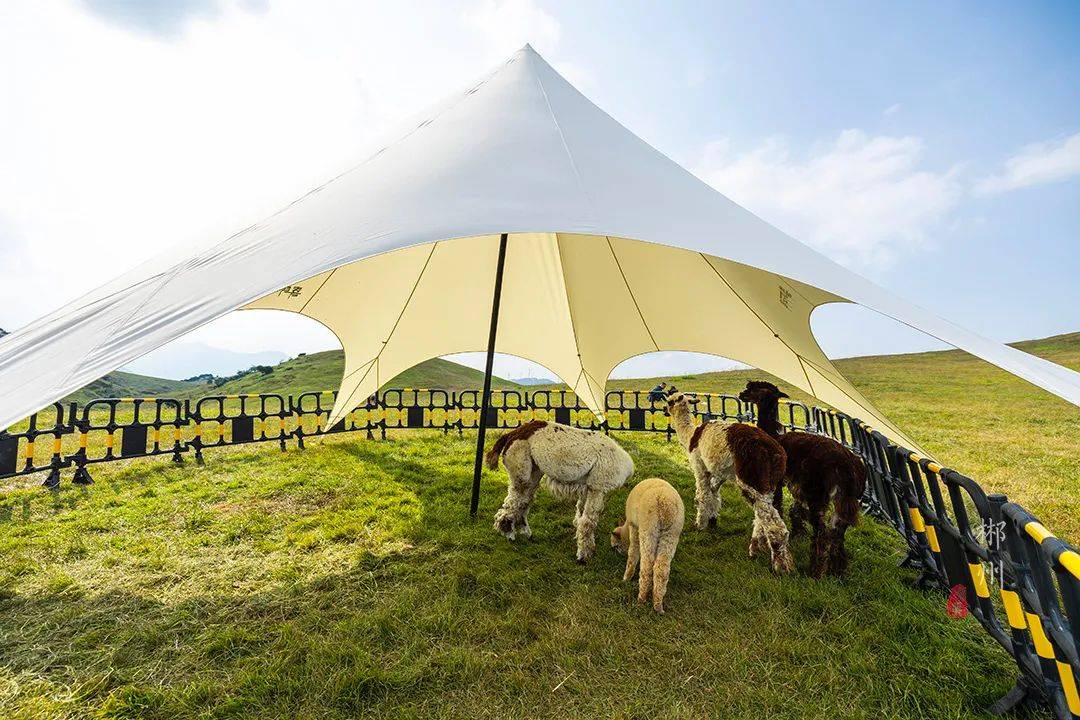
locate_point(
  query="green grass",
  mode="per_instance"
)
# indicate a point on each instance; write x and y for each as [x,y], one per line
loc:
[347,581]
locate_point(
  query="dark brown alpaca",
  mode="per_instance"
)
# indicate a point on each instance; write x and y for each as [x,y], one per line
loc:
[818,469]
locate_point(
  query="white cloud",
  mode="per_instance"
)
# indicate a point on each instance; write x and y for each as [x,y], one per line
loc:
[862,200]
[123,136]
[1035,164]
[892,110]
[509,24]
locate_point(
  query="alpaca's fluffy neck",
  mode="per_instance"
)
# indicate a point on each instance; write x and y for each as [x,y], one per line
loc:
[768,416]
[683,422]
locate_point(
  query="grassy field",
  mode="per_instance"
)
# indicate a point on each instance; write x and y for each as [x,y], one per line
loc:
[348,581]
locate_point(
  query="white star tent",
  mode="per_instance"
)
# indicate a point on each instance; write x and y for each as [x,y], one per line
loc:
[613,250]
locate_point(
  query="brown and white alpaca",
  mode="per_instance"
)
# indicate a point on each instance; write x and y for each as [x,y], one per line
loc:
[819,469]
[719,450]
[649,535]
[578,464]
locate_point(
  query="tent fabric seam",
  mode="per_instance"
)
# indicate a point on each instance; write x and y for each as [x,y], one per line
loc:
[758,316]
[397,322]
[314,294]
[629,290]
[566,148]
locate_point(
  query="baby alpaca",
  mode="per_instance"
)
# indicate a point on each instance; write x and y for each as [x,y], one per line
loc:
[649,535]
[579,464]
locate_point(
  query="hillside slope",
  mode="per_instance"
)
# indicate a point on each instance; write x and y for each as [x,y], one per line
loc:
[322,371]
[315,371]
[125,384]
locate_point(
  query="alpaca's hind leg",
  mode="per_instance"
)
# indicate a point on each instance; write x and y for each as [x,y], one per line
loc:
[705,500]
[648,560]
[797,518]
[819,546]
[665,550]
[520,490]
[775,532]
[845,514]
[837,552]
[633,552]
[586,524]
[530,495]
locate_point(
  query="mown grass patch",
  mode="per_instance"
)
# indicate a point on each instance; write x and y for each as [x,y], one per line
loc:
[348,581]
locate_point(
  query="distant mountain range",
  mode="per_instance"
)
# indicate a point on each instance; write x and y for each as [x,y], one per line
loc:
[534,381]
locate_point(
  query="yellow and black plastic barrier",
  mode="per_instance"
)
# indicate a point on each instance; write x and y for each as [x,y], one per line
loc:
[978,548]
[966,543]
[129,428]
[38,446]
[219,420]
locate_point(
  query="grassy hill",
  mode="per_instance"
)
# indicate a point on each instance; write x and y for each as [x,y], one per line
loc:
[125,384]
[314,371]
[322,371]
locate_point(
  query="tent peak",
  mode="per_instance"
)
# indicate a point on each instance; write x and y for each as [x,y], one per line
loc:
[532,57]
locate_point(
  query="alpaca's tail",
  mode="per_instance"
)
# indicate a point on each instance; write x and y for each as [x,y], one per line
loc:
[851,491]
[492,456]
[523,432]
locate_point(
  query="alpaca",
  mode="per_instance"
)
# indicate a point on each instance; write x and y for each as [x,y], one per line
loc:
[579,464]
[717,450]
[818,469]
[649,535]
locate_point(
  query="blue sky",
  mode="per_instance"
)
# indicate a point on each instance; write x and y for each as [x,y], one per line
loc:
[932,147]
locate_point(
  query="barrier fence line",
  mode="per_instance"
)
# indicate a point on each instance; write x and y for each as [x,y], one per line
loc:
[959,539]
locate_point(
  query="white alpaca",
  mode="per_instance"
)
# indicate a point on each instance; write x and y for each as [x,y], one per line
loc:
[578,464]
[649,535]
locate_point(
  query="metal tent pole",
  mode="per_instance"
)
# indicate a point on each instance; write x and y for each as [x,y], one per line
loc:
[485,399]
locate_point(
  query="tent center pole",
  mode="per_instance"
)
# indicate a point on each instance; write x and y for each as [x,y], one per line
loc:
[485,398]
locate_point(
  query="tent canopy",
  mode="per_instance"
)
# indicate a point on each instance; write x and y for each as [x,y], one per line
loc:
[614,251]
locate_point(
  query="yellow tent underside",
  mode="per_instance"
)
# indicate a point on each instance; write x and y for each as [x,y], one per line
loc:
[577,304]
